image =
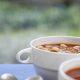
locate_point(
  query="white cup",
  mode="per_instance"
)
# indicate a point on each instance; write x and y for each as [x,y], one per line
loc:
[67,65]
[47,63]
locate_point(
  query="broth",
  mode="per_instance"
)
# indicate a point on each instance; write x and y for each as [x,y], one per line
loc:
[74,73]
[60,47]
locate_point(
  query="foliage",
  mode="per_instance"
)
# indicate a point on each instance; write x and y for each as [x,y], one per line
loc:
[20,17]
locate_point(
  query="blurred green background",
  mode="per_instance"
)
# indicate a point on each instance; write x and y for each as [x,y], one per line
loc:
[23,20]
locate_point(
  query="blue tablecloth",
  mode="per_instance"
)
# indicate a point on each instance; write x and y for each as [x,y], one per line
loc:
[21,71]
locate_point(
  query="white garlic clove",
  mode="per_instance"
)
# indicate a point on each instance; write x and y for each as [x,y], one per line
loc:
[35,78]
[8,76]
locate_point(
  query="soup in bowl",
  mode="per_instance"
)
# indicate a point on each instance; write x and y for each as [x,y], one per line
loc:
[70,70]
[48,53]
[71,48]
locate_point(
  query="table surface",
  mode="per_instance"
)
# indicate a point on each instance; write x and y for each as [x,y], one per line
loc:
[21,71]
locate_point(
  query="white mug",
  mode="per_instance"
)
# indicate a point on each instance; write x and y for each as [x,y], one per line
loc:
[45,61]
[67,65]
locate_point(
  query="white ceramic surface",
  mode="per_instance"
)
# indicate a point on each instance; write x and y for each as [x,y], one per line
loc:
[47,74]
[67,65]
[46,59]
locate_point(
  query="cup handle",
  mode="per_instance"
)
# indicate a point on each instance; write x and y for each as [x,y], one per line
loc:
[28,52]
